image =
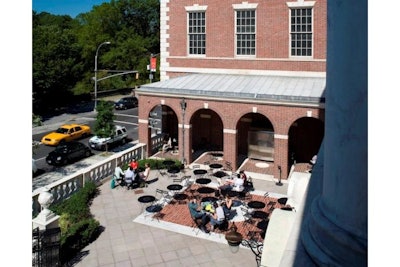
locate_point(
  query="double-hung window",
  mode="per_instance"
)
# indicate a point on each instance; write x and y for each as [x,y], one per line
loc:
[245,32]
[301,32]
[197,32]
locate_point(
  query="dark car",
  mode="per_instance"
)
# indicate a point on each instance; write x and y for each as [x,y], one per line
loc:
[68,152]
[126,102]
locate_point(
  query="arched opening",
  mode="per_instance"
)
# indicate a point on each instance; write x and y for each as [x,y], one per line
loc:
[207,131]
[255,137]
[163,123]
[305,137]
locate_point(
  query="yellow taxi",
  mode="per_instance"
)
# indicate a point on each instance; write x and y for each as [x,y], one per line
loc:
[66,133]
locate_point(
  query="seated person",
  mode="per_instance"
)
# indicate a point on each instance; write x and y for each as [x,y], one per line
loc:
[134,164]
[119,174]
[227,205]
[129,177]
[143,176]
[218,216]
[235,184]
[197,214]
[167,145]
[243,176]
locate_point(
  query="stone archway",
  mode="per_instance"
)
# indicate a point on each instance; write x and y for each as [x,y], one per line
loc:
[305,138]
[208,128]
[250,122]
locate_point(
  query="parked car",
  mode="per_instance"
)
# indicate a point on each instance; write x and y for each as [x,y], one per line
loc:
[126,102]
[119,137]
[67,153]
[66,133]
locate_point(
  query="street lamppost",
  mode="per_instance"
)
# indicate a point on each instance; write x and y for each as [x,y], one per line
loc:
[235,239]
[95,73]
[183,107]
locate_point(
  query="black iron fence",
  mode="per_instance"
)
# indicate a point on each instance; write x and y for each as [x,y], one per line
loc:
[46,247]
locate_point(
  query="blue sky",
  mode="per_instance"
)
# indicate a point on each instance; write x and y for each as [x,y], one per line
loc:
[65,7]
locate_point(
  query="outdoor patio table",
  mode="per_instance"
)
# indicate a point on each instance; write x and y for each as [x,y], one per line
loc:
[256,204]
[145,200]
[282,200]
[259,214]
[220,174]
[262,225]
[174,187]
[205,190]
[180,197]
[215,166]
[173,171]
[203,181]
[199,172]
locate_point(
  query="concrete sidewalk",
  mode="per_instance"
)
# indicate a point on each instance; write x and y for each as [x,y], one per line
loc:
[127,243]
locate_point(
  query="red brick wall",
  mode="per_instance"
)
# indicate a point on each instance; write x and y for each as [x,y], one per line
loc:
[281,117]
[272,46]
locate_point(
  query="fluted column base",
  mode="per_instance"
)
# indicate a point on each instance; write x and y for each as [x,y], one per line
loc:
[329,244]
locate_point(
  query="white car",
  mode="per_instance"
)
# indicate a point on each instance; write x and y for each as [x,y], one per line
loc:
[119,137]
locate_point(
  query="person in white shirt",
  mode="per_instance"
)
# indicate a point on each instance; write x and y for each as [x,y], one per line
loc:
[143,176]
[119,174]
[235,184]
[129,177]
[218,217]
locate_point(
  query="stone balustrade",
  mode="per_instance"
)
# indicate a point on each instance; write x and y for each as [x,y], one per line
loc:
[97,173]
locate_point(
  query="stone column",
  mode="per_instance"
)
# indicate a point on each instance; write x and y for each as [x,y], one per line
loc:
[334,232]
[46,219]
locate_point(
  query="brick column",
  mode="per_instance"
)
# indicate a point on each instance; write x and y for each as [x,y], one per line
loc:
[230,147]
[281,156]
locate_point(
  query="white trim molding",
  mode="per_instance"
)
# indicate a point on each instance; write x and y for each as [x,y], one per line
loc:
[244,5]
[300,3]
[281,136]
[195,7]
[230,131]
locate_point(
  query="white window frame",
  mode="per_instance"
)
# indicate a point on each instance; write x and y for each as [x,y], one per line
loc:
[196,9]
[301,4]
[245,6]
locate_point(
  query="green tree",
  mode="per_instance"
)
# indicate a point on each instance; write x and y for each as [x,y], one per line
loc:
[64,50]
[56,59]
[104,126]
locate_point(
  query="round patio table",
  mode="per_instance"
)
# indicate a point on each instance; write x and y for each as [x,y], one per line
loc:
[203,180]
[174,187]
[282,200]
[205,190]
[180,197]
[256,204]
[220,174]
[259,214]
[215,166]
[199,172]
[146,199]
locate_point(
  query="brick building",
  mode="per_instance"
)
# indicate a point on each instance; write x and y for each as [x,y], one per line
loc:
[251,76]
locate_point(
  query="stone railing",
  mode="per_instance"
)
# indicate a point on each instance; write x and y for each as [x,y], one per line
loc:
[98,172]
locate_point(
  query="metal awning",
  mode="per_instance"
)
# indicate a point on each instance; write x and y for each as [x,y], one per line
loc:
[246,87]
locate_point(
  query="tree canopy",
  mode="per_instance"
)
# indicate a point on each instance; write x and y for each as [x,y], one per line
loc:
[64,50]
